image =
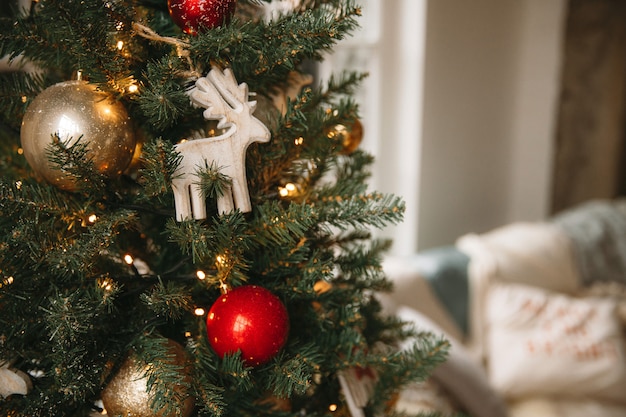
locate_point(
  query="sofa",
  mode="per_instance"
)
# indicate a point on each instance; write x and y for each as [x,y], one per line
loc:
[535,313]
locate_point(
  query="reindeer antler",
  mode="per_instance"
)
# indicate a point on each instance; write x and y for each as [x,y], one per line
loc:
[220,94]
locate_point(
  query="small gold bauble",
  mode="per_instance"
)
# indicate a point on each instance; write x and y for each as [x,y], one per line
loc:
[73,111]
[349,137]
[275,403]
[126,395]
[322,286]
[266,111]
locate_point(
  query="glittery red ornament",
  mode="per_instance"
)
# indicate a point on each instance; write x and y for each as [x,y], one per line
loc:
[250,319]
[194,15]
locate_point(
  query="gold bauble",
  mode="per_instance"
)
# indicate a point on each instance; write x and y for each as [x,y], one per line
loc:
[73,111]
[126,395]
[349,137]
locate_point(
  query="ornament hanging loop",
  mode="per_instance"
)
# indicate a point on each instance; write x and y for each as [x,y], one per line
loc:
[181,46]
[224,287]
[223,270]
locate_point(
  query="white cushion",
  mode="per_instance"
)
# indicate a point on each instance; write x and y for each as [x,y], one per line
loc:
[426,397]
[546,343]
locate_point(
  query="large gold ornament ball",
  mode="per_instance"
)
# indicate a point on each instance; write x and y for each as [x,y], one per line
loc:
[73,111]
[127,393]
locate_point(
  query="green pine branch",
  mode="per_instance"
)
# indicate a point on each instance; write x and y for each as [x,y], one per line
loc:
[75,43]
[377,210]
[264,53]
[159,163]
[16,90]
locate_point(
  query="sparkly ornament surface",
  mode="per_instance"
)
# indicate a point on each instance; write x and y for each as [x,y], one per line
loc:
[75,110]
[194,15]
[126,395]
[250,319]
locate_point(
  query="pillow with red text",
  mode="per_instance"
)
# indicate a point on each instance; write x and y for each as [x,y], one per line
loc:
[546,343]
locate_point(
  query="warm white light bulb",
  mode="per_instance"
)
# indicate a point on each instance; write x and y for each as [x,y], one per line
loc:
[106,284]
[288,190]
[7,281]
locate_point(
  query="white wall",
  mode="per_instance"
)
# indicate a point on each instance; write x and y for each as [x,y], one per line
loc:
[490,89]
[535,108]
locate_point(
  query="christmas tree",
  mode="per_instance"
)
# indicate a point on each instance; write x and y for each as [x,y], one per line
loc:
[185,225]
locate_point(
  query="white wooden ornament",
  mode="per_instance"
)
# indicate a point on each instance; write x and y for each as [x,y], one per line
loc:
[357,385]
[227,102]
[277,8]
[13,381]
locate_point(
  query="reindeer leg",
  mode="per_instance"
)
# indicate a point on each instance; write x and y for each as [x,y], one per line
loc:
[241,197]
[198,202]
[181,200]
[225,203]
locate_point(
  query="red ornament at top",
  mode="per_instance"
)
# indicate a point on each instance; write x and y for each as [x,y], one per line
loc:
[194,15]
[249,319]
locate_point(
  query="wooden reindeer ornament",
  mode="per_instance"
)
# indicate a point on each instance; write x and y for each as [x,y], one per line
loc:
[227,102]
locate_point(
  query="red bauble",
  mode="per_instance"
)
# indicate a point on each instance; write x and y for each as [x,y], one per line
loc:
[194,15]
[250,319]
